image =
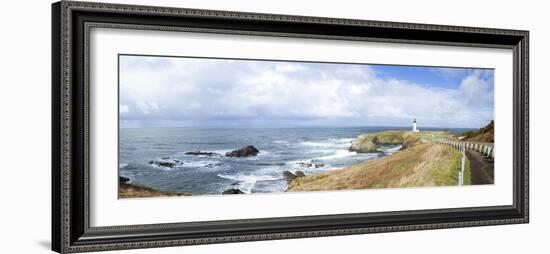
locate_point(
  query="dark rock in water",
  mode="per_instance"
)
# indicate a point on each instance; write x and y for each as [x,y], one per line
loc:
[310,164]
[122,179]
[289,176]
[244,152]
[165,158]
[166,164]
[233,191]
[213,165]
[202,153]
[305,164]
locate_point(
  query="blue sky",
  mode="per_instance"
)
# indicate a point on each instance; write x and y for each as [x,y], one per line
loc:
[431,77]
[195,92]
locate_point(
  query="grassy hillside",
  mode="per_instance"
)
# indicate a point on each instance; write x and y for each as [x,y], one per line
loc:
[422,163]
[485,134]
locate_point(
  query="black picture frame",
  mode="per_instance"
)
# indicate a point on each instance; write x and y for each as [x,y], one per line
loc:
[71,231]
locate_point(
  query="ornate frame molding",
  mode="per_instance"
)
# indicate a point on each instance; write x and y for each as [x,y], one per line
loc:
[71,22]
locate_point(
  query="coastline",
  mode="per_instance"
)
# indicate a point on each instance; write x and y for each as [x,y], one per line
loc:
[421,162]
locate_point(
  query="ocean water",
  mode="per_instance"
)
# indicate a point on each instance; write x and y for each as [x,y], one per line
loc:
[280,149]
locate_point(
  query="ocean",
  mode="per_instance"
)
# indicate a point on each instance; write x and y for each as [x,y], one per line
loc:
[311,150]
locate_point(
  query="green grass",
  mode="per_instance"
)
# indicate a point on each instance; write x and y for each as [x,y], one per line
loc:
[446,174]
[388,137]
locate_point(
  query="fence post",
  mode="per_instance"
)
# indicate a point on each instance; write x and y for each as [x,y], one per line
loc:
[462,170]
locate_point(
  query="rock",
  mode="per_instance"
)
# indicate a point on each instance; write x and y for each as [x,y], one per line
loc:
[244,152]
[310,164]
[166,164]
[363,144]
[122,179]
[213,165]
[305,164]
[233,191]
[289,176]
[202,153]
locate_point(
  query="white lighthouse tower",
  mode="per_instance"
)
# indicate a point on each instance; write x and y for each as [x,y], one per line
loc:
[414,126]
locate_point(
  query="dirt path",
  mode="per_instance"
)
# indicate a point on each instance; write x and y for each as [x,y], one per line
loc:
[482,169]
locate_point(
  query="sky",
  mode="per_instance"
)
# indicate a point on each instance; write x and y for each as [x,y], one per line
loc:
[199,92]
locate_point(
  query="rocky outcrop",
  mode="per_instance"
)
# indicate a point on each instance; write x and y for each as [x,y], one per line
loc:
[364,143]
[166,162]
[289,176]
[244,152]
[370,142]
[299,174]
[199,153]
[233,191]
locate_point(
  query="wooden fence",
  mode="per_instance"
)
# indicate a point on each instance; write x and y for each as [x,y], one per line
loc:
[486,149]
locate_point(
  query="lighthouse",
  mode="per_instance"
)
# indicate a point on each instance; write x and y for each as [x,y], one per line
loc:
[414,126]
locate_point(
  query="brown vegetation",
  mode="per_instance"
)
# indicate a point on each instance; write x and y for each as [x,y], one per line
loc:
[127,190]
[485,134]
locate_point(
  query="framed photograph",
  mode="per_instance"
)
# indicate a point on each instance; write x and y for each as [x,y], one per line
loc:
[182,126]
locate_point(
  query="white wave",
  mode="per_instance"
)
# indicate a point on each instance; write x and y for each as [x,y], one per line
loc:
[200,163]
[281,142]
[186,164]
[337,155]
[295,162]
[341,140]
[217,153]
[161,167]
[122,165]
[221,151]
[390,149]
[270,170]
[331,143]
[316,144]
[247,182]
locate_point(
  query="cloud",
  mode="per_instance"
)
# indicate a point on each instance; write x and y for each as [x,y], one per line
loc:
[147,107]
[123,109]
[200,92]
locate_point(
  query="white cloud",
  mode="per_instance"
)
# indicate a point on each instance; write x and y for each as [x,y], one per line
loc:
[205,91]
[288,67]
[123,109]
[146,107]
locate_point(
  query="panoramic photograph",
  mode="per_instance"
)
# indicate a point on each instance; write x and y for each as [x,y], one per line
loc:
[209,126]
